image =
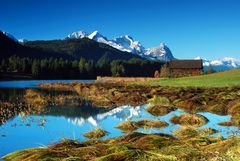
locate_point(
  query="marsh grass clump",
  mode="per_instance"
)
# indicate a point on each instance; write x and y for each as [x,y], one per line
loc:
[234,108]
[35,98]
[96,133]
[197,137]
[136,146]
[9,110]
[226,123]
[209,131]
[189,119]
[217,108]
[129,126]
[159,106]
[157,110]
[136,154]
[235,120]
[159,101]
[151,124]
[187,131]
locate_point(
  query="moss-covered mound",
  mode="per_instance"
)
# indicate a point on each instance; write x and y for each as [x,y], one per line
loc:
[129,126]
[189,119]
[96,133]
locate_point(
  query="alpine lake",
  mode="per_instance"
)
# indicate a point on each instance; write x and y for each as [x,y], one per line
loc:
[56,122]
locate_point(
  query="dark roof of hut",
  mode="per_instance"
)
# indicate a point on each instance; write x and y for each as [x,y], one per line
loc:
[185,64]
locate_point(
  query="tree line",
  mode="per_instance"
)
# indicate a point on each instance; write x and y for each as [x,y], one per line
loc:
[50,68]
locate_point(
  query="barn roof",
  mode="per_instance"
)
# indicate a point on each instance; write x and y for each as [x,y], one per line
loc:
[185,64]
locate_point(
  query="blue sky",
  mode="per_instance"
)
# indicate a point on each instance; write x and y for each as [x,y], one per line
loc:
[206,28]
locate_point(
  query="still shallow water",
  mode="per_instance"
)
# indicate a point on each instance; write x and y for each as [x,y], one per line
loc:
[33,83]
[71,122]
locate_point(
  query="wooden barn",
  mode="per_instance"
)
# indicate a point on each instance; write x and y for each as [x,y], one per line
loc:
[184,67]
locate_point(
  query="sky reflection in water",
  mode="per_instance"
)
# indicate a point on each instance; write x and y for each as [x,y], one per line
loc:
[19,134]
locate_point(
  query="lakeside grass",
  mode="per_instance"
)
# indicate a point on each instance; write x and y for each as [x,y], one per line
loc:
[219,79]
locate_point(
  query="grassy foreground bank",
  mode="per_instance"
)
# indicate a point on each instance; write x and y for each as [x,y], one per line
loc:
[191,144]
[220,79]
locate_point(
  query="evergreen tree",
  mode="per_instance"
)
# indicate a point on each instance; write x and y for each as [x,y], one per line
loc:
[81,65]
[3,64]
[35,68]
[117,68]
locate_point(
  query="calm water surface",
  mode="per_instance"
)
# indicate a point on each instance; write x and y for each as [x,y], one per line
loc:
[33,83]
[71,122]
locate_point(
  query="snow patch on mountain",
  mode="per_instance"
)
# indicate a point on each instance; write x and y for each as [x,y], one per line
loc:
[22,41]
[10,36]
[221,64]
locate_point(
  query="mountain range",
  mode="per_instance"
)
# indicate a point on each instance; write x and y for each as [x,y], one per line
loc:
[72,49]
[128,44]
[221,64]
[125,45]
[161,52]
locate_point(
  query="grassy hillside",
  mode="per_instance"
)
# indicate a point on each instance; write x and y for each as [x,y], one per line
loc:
[220,79]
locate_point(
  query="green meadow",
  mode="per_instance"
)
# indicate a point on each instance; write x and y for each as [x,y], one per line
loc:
[219,79]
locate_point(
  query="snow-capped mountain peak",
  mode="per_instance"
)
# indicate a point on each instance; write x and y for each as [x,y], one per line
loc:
[161,52]
[221,64]
[98,37]
[77,35]
[128,44]
[95,34]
